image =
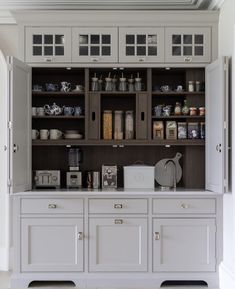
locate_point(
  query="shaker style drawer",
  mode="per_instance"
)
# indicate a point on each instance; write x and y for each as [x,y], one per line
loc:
[118,206]
[52,206]
[184,206]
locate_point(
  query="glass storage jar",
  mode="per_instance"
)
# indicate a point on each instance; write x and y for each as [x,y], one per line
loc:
[118,124]
[185,108]
[122,84]
[94,84]
[108,84]
[177,108]
[202,111]
[191,86]
[129,124]
[193,111]
[138,84]
[107,124]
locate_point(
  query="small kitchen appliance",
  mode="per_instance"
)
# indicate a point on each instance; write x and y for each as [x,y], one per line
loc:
[47,179]
[74,176]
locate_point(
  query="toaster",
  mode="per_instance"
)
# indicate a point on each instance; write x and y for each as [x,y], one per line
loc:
[47,179]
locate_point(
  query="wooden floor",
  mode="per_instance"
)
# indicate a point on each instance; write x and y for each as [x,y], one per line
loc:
[4,284]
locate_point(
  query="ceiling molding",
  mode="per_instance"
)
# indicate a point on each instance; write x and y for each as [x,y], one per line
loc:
[110,4]
[215,4]
[6,17]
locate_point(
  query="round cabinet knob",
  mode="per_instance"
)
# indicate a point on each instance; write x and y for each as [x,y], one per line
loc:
[52,206]
[80,236]
[118,221]
[117,206]
[184,206]
[157,236]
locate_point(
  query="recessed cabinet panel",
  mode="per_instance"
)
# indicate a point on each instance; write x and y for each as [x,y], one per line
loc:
[94,44]
[188,44]
[141,44]
[48,44]
[117,244]
[183,245]
[51,244]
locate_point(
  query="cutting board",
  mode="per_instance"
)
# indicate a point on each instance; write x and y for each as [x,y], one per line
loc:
[164,171]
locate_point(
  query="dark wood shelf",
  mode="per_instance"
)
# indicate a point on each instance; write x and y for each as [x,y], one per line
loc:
[179,117]
[118,92]
[58,93]
[82,142]
[176,93]
[59,117]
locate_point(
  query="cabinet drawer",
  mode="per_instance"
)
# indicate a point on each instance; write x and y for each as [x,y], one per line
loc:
[184,206]
[118,206]
[52,206]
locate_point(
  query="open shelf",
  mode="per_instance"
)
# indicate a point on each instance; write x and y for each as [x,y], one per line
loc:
[57,93]
[59,117]
[176,93]
[82,142]
[179,117]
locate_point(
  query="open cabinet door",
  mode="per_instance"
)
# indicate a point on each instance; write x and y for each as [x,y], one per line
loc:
[19,96]
[217,160]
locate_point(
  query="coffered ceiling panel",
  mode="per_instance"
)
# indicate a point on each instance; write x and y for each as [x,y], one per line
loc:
[112,4]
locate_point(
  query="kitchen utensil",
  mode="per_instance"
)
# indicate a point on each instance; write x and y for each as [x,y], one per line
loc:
[55,134]
[139,177]
[65,86]
[164,174]
[35,134]
[53,109]
[47,178]
[74,180]
[44,134]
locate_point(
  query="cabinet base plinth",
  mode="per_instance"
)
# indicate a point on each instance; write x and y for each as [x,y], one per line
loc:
[107,280]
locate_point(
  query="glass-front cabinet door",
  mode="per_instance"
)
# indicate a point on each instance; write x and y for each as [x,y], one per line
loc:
[138,44]
[48,44]
[186,44]
[94,44]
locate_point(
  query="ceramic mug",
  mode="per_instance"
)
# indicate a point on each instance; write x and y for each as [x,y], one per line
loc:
[68,110]
[37,87]
[35,134]
[40,111]
[77,110]
[34,111]
[44,134]
[55,134]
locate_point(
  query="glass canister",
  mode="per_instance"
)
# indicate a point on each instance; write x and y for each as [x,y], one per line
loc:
[131,86]
[198,86]
[138,84]
[100,84]
[114,83]
[94,84]
[118,124]
[107,124]
[193,111]
[202,111]
[177,108]
[191,86]
[122,84]
[108,84]
[129,124]
[185,108]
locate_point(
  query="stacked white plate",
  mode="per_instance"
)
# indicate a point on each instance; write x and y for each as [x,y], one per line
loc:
[72,134]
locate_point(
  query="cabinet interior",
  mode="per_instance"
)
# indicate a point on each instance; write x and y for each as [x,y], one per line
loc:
[53,155]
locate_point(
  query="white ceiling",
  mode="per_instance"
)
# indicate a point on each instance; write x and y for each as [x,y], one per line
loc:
[112,4]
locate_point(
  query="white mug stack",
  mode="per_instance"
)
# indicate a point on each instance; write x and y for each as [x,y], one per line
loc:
[55,134]
[45,134]
[38,111]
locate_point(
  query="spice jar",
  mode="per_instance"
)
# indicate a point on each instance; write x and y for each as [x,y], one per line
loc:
[100,84]
[202,111]
[118,124]
[131,86]
[108,84]
[177,108]
[94,84]
[122,84]
[191,86]
[129,125]
[198,86]
[192,111]
[138,84]
[114,83]
[107,124]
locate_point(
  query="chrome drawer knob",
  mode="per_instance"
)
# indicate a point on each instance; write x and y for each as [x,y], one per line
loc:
[184,206]
[118,221]
[157,236]
[80,236]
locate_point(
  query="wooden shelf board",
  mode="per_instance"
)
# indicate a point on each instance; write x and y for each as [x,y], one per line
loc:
[58,117]
[176,93]
[118,92]
[58,93]
[179,117]
[187,142]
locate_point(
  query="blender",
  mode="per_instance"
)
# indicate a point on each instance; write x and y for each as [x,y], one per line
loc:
[74,176]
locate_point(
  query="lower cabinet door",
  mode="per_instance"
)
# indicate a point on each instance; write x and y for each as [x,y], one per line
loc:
[117,244]
[51,244]
[184,245]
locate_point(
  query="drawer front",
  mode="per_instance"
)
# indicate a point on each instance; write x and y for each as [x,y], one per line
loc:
[118,206]
[52,206]
[184,206]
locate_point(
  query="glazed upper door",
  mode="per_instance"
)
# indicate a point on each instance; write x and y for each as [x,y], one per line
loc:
[48,44]
[51,244]
[183,245]
[19,96]
[117,244]
[141,44]
[217,126]
[94,44]
[188,44]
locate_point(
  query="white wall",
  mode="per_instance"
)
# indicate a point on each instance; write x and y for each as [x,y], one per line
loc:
[227,47]
[8,45]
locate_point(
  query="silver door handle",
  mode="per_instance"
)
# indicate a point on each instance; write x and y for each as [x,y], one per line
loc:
[52,206]
[118,221]
[48,59]
[15,148]
[117,206]
[184,206]
[218,148]
[80,236]
[157,236]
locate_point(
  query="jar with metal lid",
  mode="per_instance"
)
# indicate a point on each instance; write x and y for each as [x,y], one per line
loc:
[198,86]
[129,124]
[108,84]
[94,84]
[107,124]
[122,84]
[202,111]
[118,124]
[191,86]
[185,108]
[192,111]
[177,108]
